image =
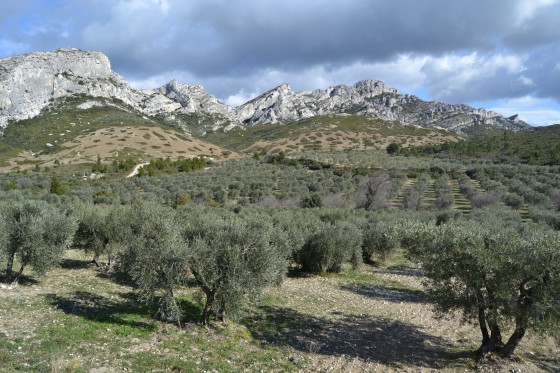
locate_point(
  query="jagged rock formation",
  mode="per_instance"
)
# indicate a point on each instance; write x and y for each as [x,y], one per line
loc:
[28,83]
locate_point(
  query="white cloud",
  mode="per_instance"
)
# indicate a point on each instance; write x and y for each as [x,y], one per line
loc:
[535,111]
[526,9]
[240,98]
[10,48]
[461,78]
[156,81]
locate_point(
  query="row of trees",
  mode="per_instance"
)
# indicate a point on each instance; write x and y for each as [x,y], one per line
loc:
[492,267]
[231,254]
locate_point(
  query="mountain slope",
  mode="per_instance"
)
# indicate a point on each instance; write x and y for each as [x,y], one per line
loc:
[80,129]
[539,145]
[29,82]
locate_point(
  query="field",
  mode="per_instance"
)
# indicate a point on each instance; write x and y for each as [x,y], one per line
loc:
[79,319]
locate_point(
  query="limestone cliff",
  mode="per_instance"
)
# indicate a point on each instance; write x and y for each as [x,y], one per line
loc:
[30,82]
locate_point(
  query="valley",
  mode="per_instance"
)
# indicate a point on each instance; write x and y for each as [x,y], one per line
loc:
[352,228]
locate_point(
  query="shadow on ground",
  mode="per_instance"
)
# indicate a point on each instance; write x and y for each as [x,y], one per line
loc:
[102,309]
[74,263]
[390,294]
[23,280]
[124,309]
[380,340]
[403,271]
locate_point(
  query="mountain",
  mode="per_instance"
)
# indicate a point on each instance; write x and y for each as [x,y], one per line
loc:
[31,82]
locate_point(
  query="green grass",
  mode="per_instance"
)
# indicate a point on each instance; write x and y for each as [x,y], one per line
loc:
[77,319]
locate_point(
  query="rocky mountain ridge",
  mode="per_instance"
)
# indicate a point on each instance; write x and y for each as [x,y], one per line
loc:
[30,82]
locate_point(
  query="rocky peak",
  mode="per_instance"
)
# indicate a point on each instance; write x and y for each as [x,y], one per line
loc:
[29,82]
[193,98]
[371,88]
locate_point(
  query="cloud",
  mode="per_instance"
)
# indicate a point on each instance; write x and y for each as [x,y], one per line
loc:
[474,77]
[456,51]
[536,111]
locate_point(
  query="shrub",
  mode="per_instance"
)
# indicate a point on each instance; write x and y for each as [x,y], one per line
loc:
[312,201]
[330,247]
[233,259]
[393,148]
[181,199]
[380,240]
[38,234]
[57,187]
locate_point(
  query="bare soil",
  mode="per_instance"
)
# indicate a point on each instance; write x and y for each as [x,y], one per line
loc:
[343,140]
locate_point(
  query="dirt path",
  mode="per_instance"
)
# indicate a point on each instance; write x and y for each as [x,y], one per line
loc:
[136,169]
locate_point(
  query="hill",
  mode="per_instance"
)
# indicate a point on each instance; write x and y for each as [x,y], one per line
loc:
[539,145]
[80,129]
[326,132]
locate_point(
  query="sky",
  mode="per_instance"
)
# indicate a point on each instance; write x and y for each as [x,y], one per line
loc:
[501,55]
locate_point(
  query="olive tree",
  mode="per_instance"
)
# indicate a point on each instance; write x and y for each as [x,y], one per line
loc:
[37,235]
[157,260]
[104,229]
[232,259]
[375,193]
[444,195]
[495,271]
[92,235]
[330,246]
[380,239]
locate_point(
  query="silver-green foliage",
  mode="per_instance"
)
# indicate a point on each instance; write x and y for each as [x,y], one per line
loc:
[157,259]
[330,246]
[38,234]
[104,229]
[494,270]
[233,259]
[381,238]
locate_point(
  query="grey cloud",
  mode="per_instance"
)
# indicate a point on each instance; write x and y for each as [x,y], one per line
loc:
[223,43]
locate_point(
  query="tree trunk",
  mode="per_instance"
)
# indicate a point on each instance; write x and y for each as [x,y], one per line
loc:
[482,322]
[495,342]
[207,307]
[524,303]
[18,275]
[10,266]
[513,341]
[95,260]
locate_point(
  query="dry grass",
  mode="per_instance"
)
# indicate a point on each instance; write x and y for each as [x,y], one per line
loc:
[344,140]
[113,142]
[375,319]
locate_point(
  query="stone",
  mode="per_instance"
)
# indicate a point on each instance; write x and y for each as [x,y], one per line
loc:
[30,82]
